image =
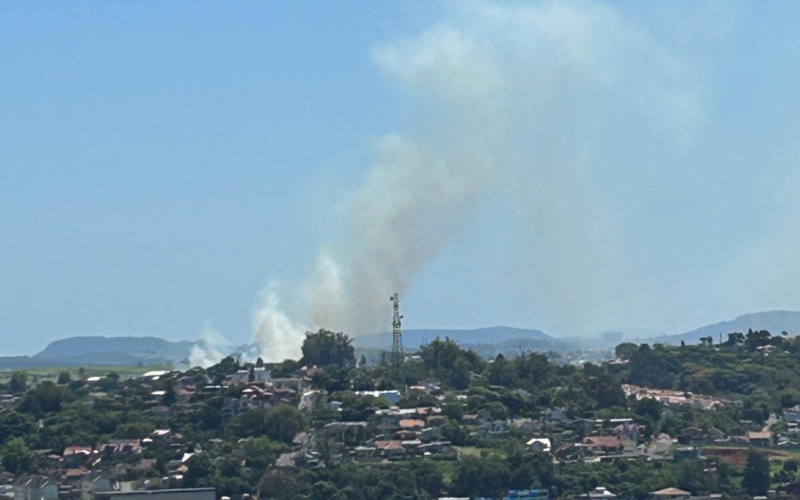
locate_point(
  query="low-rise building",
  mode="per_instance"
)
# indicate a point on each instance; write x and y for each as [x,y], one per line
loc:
[539,444]
[760,439]
[178,494]
[602,445]
[670,494]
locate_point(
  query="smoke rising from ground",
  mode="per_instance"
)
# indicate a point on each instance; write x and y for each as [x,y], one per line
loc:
[594,122]
[210,350]
[414,199]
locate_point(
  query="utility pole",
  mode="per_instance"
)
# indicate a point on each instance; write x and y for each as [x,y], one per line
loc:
[397,335]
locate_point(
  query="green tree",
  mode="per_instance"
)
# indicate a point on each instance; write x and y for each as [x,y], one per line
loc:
[486,477]
[50,397]
[756,473]
[170,397]
[451,364]
[606,391]
[18,382]
[261,452]
[17,458]
[625,350]
[200,471]
[228,366]
[327,348]
[502,372]
[533,368]
[454,433]
[280,423]
[64,378]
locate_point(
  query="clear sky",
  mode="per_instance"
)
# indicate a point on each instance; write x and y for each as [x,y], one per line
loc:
[163,163]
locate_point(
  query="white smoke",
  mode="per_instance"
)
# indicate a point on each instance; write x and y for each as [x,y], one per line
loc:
[278,336]
[528,98]
[210,350]
[414,200]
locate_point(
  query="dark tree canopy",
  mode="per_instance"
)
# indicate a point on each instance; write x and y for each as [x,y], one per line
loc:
[327,348]
[756,473]
[625,350]
[280,423]
[17,457]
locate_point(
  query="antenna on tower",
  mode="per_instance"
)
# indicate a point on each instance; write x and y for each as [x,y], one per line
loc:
[397,333]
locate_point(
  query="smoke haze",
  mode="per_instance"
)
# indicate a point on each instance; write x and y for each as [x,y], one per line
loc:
[594,123]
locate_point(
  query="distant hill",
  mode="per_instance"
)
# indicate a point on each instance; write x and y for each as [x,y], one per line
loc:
[135,346]
[773,321]
[118,351]
[413,339]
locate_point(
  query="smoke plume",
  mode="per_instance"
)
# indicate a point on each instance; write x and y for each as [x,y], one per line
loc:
[415,197]
[575,111]
[209,350]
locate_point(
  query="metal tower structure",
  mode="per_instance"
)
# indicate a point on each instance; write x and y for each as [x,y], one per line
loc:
[397,333]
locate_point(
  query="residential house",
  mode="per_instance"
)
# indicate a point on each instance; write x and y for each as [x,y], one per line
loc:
[598,493]
[664,443]
[435,420]
[165,436]
[493,430]
[670,494]
[430,434]
[792,414]
[345,426]
[527,495]
[391,396]
[122,447]
[412,425]
[76,456]
[38,487]
[760,439]
[435,448]
[528,427]
[691,435]
[568,451]
[539,445]
[365,453]
[602,445]
[391,450]
[555,415]
[176,494]
[716,434]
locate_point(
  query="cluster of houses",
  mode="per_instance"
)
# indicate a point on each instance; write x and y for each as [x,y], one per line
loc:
[80,472]
[678,398]
[389,435]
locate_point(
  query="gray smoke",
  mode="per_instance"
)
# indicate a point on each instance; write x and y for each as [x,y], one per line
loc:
[415,197]
[537,101]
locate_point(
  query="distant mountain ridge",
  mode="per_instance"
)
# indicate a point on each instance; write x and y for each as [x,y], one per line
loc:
[112,351]
[414,338]
[773,321]
[131,351]
[136,346]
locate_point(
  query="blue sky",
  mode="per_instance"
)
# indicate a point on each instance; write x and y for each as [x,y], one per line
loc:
[161,164]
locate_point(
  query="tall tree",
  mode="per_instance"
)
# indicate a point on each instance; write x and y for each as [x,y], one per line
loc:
[17,458]
[18,383]
[327,348]
[756,473]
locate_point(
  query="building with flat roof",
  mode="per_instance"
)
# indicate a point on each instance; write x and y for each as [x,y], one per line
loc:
[179,494]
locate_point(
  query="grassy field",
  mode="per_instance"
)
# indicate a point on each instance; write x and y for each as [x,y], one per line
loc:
[737,455]
[51,372]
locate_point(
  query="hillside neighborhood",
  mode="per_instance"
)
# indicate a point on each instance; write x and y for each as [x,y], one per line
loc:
[447,424]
